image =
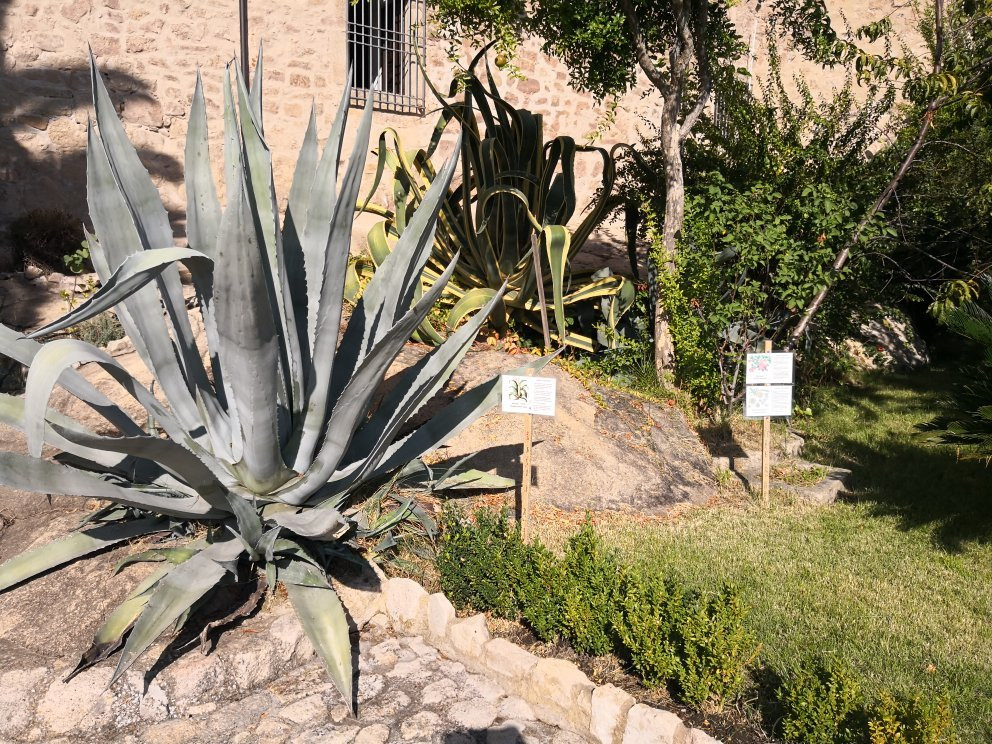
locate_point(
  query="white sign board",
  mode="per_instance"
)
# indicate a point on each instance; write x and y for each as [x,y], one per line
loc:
[522,394]
[773,367]
[768,400]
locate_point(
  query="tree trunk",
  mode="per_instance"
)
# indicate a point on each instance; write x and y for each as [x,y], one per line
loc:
[664,345]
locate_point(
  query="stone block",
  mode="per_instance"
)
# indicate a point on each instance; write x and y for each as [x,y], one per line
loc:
[440,616]
[610,706]
[647,725]
[406,605]
[510,663]
[468,640]
[561,694]
[696,736]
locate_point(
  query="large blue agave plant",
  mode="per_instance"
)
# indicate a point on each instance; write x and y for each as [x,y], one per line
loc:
[268,440]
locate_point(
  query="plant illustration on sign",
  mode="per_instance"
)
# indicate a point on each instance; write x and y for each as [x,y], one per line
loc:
[518,391]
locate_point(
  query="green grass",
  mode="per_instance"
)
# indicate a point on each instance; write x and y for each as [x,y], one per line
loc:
[896,579]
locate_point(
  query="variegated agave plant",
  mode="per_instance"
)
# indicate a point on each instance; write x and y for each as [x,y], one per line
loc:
[268,440]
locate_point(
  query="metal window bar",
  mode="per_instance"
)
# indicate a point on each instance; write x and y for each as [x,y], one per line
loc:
[384,37]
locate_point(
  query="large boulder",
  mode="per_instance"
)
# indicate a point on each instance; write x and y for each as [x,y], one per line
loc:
[605,449]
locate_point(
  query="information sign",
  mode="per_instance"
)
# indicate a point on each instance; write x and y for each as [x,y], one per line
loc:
[768,400]
[524,394]
[774,368]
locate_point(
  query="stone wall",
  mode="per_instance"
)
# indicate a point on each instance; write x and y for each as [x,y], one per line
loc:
[149,53]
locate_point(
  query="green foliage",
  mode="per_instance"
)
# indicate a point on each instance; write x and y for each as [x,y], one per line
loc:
[716,650]
[822,704]
[42,237]
[825,704]
[913,721]
[542,593]
[99,330]
[968,421]
[482,561]
[590,576]
[270,449]
[774,188]
[646,620]
[77,261]
[695,642]
[516,196]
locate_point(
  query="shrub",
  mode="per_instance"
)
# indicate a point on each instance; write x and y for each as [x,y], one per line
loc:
[822,705]
[482,563]
[590,582]
[716,649]
[912,721]
[99,330]
[644,621]
[542,593]
[43,237]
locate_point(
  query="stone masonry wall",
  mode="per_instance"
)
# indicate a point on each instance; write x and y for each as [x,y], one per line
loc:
[149,53]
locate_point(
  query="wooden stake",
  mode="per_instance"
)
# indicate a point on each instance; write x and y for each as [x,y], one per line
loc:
[766,447]
[525,462]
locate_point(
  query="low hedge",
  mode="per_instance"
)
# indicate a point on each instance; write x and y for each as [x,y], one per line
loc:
[696,644]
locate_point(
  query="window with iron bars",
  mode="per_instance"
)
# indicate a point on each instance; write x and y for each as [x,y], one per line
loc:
[384,40]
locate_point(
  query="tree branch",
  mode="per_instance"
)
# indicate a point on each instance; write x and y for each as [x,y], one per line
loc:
[888,192]
[656,76]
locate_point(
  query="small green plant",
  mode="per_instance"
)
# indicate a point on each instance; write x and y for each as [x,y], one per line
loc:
[911,721]
[590,582]
[822,704]
[645,622]
[482,561]
[99,330]
[77,261]
[717,649]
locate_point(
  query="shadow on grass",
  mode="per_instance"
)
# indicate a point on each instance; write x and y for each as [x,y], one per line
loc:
[875,431]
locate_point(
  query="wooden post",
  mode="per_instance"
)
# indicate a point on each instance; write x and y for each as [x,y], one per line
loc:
[243,29]
[766,446]
[525,463]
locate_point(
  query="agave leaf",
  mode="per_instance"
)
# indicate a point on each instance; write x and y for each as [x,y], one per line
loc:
[31,474]
[148,216]
[110,635]
[249,344]
[36,561]
[138,270]
[203,215]
[555,240]
[174,556]
[471,479]
[316,524]
[326,625]
[318,212]
[335,262]
[174,594]
[474,299]
[24,351]
[260,189]
[50,362]
[142,319]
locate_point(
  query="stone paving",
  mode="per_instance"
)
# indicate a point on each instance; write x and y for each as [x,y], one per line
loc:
[407,692]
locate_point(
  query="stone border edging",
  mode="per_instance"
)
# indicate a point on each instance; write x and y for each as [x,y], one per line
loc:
[559,692]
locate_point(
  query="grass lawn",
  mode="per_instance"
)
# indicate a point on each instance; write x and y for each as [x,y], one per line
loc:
[896,579]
